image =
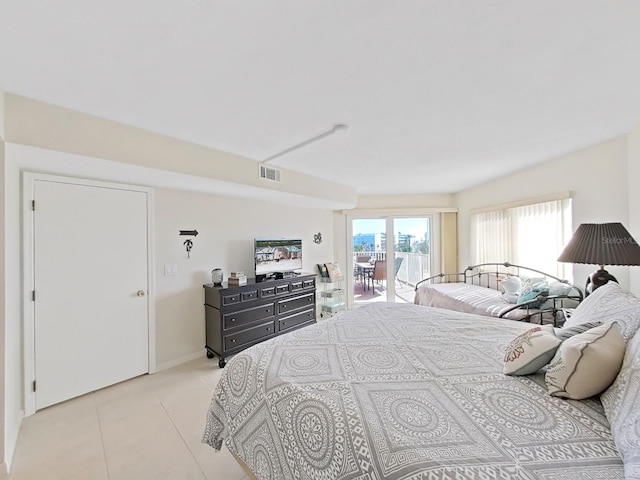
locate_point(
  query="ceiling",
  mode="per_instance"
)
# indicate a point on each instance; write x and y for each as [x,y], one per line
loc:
[439,96]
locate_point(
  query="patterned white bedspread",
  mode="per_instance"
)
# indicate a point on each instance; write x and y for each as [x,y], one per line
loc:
[398,391]
[464,297]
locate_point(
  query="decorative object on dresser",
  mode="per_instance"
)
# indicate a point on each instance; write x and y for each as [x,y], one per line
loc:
[217,276]
[237,278]
[238,316]
[601,244]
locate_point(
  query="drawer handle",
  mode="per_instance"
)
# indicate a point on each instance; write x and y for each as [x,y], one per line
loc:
[233,319]
[284,323]
[284,305]
[233,340]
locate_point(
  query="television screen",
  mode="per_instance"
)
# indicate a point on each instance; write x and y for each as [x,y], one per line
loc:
[277,255]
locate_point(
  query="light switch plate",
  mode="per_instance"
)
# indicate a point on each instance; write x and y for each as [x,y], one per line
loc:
[171,269]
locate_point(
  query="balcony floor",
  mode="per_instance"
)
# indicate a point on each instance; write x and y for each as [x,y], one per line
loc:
[361,295]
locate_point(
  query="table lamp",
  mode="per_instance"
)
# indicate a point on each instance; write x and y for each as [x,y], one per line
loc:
[601,244]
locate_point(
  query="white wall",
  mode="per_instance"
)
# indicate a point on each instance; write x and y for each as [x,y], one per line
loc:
[597,176]
[14,384]
[406,201]
[226,229]
[2,291]
[55,128]
[226,225]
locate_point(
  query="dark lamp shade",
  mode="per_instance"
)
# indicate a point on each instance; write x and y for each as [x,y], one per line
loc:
[601,244]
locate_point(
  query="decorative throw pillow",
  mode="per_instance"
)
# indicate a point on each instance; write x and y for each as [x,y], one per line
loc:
[530,351]
[568,332]
[529,282]
[559,288]
[587,363]
[609,303]
[538,290]
[621,402]
[511,287]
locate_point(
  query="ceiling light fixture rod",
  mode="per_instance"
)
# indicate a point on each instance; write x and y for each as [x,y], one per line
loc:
[335,129]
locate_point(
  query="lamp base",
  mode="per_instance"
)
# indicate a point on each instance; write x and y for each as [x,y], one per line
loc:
[597,279]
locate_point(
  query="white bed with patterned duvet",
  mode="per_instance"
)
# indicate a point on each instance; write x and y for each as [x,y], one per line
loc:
[399,391]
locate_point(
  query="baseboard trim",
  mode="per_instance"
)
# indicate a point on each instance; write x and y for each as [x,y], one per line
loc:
[180,361]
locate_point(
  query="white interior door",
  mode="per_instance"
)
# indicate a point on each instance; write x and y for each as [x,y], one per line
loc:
[90,277]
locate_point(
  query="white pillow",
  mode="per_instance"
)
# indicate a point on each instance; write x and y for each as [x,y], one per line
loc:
[609,303]
[530,351]
[621,402]
[511,287]
[586,364]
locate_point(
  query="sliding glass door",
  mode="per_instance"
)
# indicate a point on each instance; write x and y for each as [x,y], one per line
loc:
[412,254]
[390,255]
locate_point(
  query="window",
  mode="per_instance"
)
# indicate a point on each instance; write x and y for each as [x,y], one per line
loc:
[531,235]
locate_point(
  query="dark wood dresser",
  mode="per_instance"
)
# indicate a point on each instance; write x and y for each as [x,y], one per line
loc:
[237,317]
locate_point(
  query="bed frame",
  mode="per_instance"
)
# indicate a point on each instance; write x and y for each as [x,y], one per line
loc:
[487,275]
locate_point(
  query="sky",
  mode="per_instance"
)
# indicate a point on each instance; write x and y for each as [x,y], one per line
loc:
[412,226]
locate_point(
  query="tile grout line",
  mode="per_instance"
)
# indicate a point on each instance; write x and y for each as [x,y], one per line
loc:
[181,437]
[104,453]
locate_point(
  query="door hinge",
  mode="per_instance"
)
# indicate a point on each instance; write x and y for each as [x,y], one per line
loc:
[34,385]
[33,295]
[33,204]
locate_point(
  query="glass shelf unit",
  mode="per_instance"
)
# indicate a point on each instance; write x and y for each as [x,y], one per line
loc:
[333,299]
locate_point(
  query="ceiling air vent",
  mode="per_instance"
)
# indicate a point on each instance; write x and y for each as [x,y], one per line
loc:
[269,173]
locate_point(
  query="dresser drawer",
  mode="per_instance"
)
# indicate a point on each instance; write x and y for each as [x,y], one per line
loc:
[267,292]
[243,317]
[295,319]
[249,295]
[296,285]
[296,303]
[253,334]
[280,289]
[230,299]
[310,283]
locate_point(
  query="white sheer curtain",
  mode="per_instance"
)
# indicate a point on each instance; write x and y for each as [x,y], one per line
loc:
[491,239]
[531,235]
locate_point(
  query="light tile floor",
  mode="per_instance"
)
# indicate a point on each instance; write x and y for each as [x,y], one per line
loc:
[147,428]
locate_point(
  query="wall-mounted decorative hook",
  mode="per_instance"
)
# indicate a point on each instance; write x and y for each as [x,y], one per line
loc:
[188,243]
[317,238]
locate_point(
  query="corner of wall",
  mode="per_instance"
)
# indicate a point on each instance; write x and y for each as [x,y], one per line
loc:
[633,167]
[2,291]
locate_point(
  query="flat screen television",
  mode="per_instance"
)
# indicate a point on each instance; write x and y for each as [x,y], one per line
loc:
[277,255]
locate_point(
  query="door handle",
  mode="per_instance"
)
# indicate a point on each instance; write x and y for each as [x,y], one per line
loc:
[140,293]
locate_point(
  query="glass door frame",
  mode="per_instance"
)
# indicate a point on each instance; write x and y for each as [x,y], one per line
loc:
[389,217]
